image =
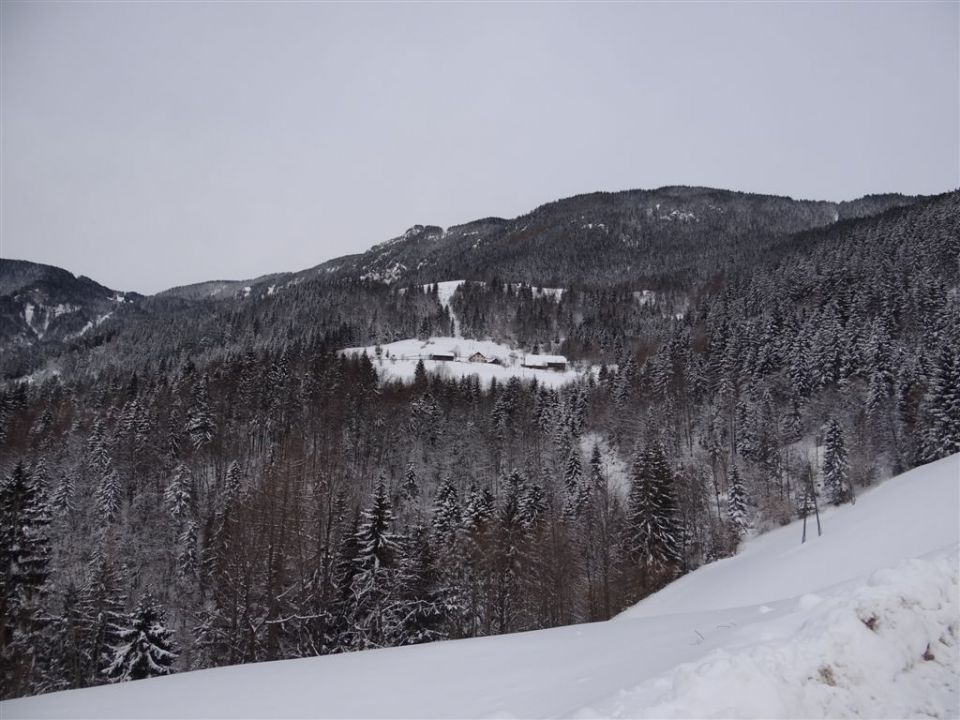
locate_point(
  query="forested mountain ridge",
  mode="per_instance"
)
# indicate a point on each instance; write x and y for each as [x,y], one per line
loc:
[648,237]
[218,463]
[47,306]
[670,239]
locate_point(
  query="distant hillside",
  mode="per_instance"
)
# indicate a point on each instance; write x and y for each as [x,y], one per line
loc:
[648,237]
[668,240]
[46,305]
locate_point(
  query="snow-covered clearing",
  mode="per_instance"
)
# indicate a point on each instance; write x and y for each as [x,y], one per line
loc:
[445,291]
[447,288]
[398,361]
[862,621]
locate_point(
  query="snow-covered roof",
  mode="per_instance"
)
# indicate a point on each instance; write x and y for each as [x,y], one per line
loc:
[544,360]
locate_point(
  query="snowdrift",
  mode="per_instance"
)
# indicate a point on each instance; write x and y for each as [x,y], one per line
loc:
[863,621]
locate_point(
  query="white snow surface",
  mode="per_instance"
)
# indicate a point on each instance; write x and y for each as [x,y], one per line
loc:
[398,361]
[445,291]
[860,622]
[48,313]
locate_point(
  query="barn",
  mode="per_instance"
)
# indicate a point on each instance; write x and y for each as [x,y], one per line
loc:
[545,362]
[442,356]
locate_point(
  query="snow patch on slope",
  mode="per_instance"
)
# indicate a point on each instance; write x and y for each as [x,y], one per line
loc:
[39,317]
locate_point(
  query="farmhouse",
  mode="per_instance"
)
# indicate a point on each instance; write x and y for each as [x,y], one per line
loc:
[479,357]
[544,362]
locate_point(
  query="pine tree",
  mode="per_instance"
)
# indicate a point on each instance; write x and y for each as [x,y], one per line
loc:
[200,423]
[62,500]
[410,487]
[446,513]
[597,479]
[940,408]
[835,468]
[420,380]
[179,493]
[479,510]
[24,567]
[233,484]
[377,546]
[575,492]
[533,505]
[654,535]
[376,615]
[737,503]
[108,493]
[102,603]
[145,647]
[188,559]
[422,605]
[73,659]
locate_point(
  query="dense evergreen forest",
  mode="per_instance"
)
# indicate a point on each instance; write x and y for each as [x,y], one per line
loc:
[200,483]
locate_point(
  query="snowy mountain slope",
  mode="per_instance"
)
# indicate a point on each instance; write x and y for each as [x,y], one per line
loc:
[923,519]
[601,237]
[42,302]
[740,638]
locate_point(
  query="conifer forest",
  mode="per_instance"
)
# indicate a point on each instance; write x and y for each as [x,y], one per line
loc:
[202,477]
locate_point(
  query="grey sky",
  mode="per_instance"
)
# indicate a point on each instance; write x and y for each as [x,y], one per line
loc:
[151,145]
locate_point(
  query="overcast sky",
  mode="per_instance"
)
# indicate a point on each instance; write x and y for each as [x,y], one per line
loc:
[151,145]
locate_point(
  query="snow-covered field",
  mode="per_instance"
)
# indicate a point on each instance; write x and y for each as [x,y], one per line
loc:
[862,621]
[398,360]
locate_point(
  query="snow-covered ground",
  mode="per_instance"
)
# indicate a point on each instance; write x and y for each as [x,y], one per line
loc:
[398,360]
[861,622]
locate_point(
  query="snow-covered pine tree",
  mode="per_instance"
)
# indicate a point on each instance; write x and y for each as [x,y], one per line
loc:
[446,513]
[145,648]
[533,505]
[422,602]
[108,492]
[410,488]
[179,493]
[598,480]
[575,495]
[24,567]
[654,535]
[420,380]
[376,617]
[62,499]
[737,502]
[188,559]
[200,423]
[940,407]
[71,651]
[835,468]
[102,603]
[479,510]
